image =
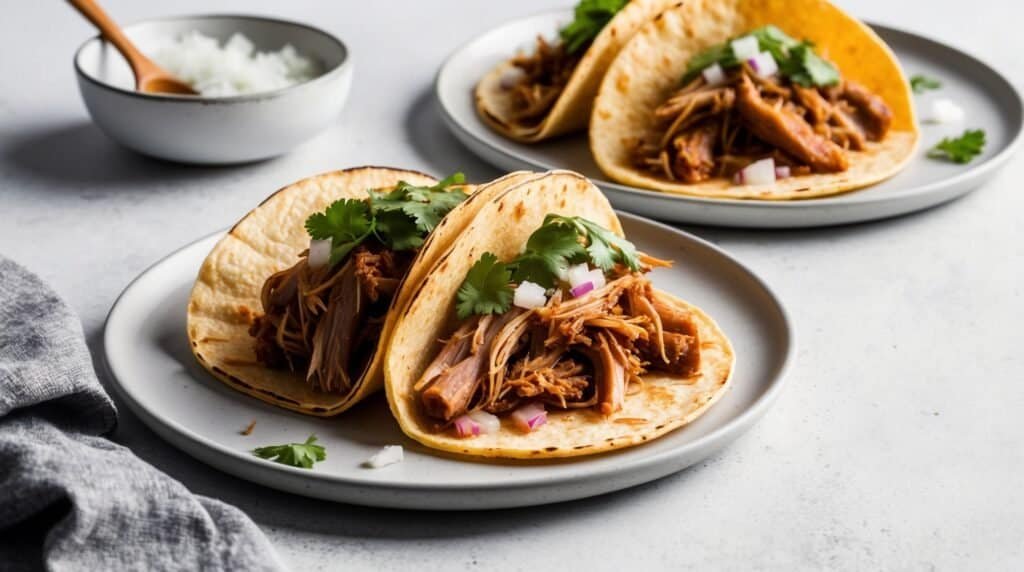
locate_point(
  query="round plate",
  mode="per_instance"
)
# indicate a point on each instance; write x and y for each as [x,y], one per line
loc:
[990,102]
[153,370]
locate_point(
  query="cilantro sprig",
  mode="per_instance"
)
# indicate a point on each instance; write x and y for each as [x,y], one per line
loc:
[797,60]
[400,218]
[559,242]
[960,149]
[301,455]
[921,83]
[589,18]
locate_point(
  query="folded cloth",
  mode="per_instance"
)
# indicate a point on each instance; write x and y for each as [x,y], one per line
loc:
[71,499]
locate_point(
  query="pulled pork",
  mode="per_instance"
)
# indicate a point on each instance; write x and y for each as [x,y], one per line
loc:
[544,74]
[571,353]
[707,131]
[328,320]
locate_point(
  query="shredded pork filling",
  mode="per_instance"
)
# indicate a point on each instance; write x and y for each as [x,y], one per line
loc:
[705,131]
[326,320]
[570,353]
[542,77]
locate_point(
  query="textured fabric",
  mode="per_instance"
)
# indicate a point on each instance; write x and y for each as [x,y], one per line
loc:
[71,499]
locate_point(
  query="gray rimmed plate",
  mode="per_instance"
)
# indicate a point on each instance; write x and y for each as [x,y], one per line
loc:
[990,101]
[151,367]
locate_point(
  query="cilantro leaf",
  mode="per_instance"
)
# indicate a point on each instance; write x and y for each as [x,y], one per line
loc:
[397,231]
[400,218]
[346,223]
[797,60]
[423,206]
[486,289]
[301,455]
[589,18]
[960,149]
[920,83]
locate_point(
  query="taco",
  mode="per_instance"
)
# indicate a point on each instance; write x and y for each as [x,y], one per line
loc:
[550,92]
[764,99]
[539,334]
[293,304]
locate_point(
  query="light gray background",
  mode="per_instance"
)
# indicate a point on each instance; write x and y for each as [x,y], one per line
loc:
[897,444]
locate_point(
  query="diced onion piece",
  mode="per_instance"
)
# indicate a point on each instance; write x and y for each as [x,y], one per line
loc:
[577,274]
[745,48]
[465,426]
[529,417]
[596,277]
[389,455]
[946,111]
[713,74]
[488,423]
[763,64]
[782,172]
[582,289]
[529,295]
[757,173]
[319,253]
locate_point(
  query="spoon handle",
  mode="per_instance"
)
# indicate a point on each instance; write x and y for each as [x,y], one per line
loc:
[139,63]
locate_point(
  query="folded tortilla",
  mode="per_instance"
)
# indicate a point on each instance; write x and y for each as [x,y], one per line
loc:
[226,296]
[502,226]
[650,67]
[571,111]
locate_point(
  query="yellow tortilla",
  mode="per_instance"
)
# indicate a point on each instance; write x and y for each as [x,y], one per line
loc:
[226,295]
[572,109]
[651,66]
[502,227]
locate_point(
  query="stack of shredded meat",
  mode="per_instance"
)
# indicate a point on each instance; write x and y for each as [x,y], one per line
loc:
[571,353]
[545,74]
[328,320]
[707,131]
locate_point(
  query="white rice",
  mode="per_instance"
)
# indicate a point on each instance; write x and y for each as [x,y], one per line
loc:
[232,69]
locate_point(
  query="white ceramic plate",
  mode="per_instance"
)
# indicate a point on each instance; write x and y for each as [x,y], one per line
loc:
[152,368]
[991,103]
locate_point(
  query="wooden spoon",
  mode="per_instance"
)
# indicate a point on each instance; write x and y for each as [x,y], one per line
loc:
[149,77]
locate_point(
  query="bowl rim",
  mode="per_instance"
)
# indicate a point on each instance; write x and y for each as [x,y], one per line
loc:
[202,100]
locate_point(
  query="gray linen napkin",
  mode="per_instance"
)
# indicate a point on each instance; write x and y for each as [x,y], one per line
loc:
[71,499]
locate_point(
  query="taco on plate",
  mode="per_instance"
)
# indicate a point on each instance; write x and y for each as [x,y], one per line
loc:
[293,305]
[550,91]
[540,334]
[765,99]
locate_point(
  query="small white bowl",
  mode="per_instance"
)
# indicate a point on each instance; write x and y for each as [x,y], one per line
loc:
[207,130]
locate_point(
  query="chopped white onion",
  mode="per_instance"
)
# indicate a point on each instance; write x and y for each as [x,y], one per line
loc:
[946,111]
[782,172]
[758,173]
[389,455]
[488,423]
[319,253]
[577,274]
[763,64]
[745,48]
[713,74]
[596,277]
[529,295]
[529,417]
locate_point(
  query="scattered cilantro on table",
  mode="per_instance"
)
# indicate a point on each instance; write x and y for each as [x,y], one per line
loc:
[920,83]
[301,455]
[560,241]
[960,149]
